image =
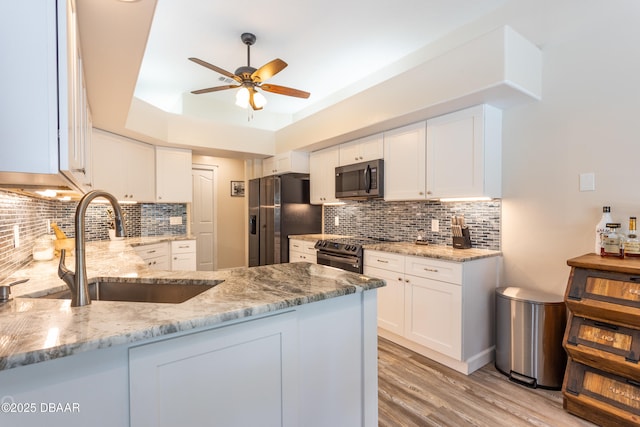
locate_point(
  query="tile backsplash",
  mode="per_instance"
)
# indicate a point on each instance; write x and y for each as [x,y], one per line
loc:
[400,221]
[31,215]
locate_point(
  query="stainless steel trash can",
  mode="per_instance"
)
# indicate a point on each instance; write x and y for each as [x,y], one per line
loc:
[529,329]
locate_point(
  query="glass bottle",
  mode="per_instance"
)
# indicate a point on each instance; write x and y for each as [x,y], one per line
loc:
[601,227]
[632,243]
[612,242]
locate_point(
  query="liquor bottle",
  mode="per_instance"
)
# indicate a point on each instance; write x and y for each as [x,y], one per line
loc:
[632,243]
[612,242]
[601,227]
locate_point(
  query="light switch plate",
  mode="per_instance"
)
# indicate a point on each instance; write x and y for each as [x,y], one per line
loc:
[336,221]
[435,225]
[587,181]
[175,220]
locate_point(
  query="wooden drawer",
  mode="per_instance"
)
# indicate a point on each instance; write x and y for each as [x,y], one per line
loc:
[430,268]
[610,347]
[604,398]
[609,296]
[183,246]
[384,260]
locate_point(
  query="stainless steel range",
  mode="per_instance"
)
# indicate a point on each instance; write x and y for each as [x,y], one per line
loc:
[344,253]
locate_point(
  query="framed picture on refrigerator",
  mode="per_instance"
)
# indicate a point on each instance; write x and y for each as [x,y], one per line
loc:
[237,188]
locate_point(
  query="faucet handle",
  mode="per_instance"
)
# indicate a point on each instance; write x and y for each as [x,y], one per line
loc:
[5,290]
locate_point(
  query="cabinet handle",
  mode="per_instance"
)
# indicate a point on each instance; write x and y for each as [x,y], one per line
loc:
[383,261]
[634,291]
[151,252]
[81,170]
[183,246]
[433,270]
[399,279]
[175,257]
[406,280]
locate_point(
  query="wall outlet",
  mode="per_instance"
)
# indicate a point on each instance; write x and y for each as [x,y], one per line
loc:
[336,221]
[175,220]
[435,225]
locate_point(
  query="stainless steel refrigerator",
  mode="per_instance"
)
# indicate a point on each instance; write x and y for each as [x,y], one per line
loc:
[279,207]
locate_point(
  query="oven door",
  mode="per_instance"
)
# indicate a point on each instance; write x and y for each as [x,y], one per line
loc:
[344,262]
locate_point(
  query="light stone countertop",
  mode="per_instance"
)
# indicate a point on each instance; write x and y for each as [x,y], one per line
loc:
[34,330]
[447,253]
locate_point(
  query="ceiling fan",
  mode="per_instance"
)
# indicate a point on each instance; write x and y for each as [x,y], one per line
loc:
[249,79]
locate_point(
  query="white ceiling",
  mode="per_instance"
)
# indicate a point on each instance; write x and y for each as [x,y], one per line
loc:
[333,47]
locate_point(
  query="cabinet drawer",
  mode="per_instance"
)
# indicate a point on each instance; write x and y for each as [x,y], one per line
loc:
[295,256]
[384,260]
[183,246]
[605,295]
[617,398]
[158,263]
[152,251]
[434,269]
[611,347]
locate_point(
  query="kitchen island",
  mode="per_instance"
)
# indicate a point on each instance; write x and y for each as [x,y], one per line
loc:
[267,346]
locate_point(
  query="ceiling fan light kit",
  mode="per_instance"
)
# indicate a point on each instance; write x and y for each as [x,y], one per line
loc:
[249,79]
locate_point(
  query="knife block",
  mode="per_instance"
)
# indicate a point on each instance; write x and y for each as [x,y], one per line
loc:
[464,241]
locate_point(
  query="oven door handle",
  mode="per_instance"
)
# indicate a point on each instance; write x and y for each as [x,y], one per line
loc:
[338,257]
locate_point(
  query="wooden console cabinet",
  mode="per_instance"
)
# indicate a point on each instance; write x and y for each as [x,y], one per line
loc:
[602,340]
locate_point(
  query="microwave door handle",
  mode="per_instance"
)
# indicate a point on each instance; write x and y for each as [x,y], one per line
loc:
[367,179]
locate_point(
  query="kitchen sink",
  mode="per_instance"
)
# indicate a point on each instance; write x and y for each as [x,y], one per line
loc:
[114,290]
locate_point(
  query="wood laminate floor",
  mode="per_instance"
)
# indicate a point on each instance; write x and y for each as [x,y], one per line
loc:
[416,391]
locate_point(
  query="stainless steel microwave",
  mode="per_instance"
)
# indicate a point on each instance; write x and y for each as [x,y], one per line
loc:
[361,180]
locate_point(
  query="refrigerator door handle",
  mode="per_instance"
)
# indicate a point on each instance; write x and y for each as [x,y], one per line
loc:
[253,224]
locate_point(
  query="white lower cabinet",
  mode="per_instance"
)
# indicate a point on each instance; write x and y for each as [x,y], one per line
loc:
[302,251]
[183,255]
[441,309]
[176,256]
[255,361]
[156,255]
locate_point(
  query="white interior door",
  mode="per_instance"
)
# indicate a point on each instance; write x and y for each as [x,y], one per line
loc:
[203,216]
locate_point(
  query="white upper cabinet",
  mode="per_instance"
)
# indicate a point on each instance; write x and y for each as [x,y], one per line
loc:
[173,175]
[362,150]
[289,162]
[405,163]
[464,154]
[44,88]
[322,165]
[123,167]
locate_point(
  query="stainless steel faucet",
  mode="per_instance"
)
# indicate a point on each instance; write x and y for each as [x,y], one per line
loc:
[77,281]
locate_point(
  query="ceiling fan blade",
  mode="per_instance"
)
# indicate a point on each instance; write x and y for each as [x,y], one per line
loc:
[283,90]
[216,69]
[213,89]
[268,70]
[251,101]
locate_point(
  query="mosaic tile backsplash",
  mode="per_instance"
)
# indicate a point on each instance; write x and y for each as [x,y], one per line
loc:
[31,214]
[400,221]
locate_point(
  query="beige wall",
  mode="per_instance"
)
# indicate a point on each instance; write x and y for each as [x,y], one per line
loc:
[231,236]
[585,122]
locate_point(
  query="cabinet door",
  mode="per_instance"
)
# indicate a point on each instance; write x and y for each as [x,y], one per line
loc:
[405,163]
[464,153]
[390,299]
[433,315]
[140,172]
[173,175]
[183,255]
[268,166]
[188,380]
[362,150]
[322,166]
[108,165]
[29,119]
